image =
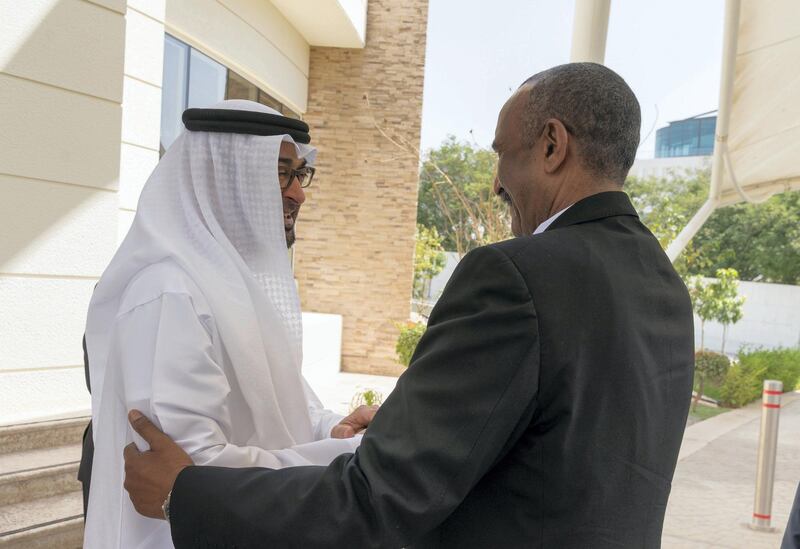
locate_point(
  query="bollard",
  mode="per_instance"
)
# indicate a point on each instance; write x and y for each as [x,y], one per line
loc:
[767,449]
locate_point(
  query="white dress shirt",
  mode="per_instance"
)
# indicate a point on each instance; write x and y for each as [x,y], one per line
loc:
[543,227]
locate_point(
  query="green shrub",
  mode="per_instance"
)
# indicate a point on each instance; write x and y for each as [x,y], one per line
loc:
[367,397]
[708,367]
[742,384]
[410,334]
[745,380]
[711,366]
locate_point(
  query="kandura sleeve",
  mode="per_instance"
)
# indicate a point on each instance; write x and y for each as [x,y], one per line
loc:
[170,374]
[322,420]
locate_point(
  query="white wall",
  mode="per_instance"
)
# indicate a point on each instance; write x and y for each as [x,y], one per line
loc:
[60,92]
[141,105]
[80,102]
[771,319]
[322,345]
[438,282]
[771,315]
[249,36]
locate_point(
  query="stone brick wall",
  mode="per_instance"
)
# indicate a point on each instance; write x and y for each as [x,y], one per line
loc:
[354,254]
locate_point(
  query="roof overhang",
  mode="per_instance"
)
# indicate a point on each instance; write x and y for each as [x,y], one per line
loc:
[328,23]
[762,145]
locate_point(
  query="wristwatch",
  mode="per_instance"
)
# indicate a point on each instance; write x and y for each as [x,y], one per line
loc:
[165,506]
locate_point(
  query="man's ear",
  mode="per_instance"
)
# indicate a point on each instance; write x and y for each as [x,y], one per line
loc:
[555,139]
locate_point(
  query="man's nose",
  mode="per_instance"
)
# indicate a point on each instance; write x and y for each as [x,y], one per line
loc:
[295,191]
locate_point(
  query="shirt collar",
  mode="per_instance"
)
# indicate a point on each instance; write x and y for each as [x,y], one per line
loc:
[543,227]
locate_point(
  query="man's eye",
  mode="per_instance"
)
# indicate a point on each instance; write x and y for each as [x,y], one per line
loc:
[283,174]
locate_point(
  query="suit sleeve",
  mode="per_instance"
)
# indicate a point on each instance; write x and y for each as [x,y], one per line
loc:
[463,402]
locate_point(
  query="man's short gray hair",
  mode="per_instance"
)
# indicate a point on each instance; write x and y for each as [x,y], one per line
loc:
[596,106]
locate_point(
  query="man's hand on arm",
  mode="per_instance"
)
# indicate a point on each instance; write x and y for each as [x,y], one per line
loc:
[355,423]
[150,475]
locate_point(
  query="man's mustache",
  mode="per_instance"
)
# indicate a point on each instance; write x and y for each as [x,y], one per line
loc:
[504,196]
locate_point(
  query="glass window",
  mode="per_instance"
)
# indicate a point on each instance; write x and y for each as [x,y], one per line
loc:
[173,93]
[266,99]
[239,88]
[290,113]
[207,80]
[707,129]
[192,79]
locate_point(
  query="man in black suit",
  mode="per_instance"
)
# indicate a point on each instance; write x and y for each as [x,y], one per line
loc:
[545,404]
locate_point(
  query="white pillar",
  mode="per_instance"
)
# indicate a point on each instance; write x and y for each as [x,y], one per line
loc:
[589,30]
[729,44]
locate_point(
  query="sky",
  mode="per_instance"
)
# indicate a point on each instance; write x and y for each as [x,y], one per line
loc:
[479,51]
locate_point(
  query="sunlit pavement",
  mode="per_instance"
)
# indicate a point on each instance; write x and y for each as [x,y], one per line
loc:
[337,390]
[714,483]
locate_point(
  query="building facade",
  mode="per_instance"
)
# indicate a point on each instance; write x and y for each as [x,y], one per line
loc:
[682,147]
[91,93]
[690,137]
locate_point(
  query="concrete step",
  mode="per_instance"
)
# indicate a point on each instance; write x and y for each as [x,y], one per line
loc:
[21,486]
[44,434]
[44,523]
[36,459]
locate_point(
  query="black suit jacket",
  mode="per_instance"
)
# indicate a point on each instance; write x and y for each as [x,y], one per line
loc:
[544,407]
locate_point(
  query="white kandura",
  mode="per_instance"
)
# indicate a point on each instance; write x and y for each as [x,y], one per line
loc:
[196,322]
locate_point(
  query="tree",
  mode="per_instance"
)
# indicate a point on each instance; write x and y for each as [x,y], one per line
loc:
[717,300]
[728,308]
[703,303]
[456,193]
[666,204]
[456,196]
[760,241]
[429,258]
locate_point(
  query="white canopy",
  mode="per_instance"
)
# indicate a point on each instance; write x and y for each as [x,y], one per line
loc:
[757,146]
[763,143]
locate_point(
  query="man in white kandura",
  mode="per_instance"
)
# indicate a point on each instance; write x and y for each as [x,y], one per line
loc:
[196,321]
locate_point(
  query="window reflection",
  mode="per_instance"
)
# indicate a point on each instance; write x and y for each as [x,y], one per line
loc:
[690,137]
[193,79]
[207,80]
[266,99]
[239,88]
[173,93]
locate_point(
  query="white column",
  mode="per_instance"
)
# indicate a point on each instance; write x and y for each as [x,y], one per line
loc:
[141,106]
[589,30]
[729,44]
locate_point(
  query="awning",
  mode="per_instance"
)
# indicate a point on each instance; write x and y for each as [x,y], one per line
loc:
[763,145]
[757,146]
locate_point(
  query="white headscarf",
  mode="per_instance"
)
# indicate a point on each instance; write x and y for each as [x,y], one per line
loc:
[213,206]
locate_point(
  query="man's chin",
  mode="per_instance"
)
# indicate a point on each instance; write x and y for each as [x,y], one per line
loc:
[290,238]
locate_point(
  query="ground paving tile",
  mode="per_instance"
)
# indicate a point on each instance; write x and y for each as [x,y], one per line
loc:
[713,488]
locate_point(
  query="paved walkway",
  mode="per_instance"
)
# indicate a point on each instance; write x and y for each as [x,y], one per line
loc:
[713,487]
[336,390]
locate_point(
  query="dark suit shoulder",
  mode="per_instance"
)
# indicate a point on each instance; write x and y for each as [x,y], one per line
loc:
[545,242]
[547,249]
